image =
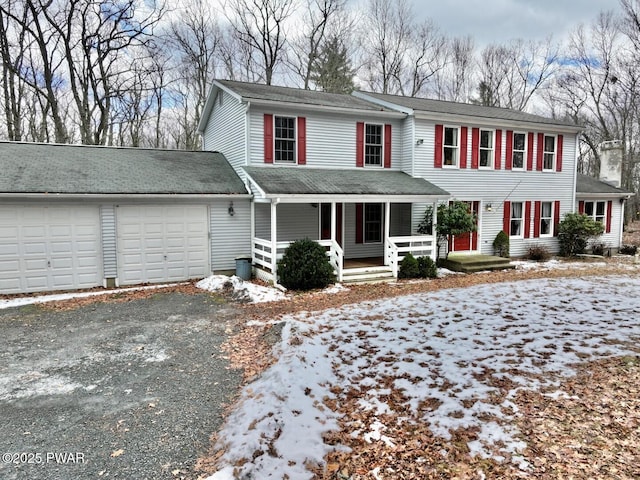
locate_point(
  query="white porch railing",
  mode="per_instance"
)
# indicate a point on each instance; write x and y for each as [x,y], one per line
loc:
[395,249]
[262,255]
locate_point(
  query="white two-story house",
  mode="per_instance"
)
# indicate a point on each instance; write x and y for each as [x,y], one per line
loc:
[357,172]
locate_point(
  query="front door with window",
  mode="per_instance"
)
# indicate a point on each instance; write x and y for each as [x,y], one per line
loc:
[467,242]
[325,222]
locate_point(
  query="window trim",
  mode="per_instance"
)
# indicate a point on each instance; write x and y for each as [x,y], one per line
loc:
[365,223]
[295,140]
[521,219]
[545,153]
[456,163]
[550,218]
[492,150]
[364,146]
[524,152]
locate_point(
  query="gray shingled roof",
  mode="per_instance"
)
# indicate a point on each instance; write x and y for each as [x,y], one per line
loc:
[321,181]
[467,109]
[589,185]
[274,93]
[47,168]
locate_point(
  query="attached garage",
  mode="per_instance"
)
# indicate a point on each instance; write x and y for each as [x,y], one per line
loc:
[49,248]
[162,243]
[76,216]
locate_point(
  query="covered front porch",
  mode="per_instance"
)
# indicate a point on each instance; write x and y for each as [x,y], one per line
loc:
[364,219]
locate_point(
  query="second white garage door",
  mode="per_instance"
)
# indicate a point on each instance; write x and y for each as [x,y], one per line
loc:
[162,243]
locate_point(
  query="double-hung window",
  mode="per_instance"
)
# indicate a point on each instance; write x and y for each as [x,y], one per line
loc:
[285,139]
[372,223]
[546,219]
[596,210]
[519,150]
[549,155]
[517,221]
[373,145]
[450,146]
[486,149]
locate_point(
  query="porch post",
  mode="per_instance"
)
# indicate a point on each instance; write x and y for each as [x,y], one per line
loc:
[274,242]
[387,229]
[434,226]
[333,221]
[253,231]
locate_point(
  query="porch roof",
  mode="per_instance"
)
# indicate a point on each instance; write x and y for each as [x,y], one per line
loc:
[588,186]
[290,183]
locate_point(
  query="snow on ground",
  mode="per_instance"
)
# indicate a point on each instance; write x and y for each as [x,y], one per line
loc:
[21,301]
[242,290]
[448,347]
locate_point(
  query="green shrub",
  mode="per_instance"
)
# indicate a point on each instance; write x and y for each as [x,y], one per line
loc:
[628,249]
[575,231]
[427,268]
[408,267]
[304,266]
[501,244]
[538,253]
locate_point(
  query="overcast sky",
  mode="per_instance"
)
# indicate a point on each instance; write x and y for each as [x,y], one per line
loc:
[489,21]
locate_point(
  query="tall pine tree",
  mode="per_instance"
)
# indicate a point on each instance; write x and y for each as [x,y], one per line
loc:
[332,71]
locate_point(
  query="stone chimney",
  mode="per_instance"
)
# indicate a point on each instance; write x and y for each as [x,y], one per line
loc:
[611,162]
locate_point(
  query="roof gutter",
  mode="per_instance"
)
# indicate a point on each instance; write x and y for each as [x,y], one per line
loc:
[324,108]
[352,198]
[124,196]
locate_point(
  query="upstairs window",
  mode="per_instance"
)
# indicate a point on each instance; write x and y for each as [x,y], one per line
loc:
[373,145]
[549,154]
[486,149]
[285,139]
[517,220]
[519,150]
[546,219]
[450,147]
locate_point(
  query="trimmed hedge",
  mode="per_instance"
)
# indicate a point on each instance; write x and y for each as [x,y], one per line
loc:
[304,266]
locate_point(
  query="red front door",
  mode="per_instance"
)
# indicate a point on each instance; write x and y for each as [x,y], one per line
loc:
[467,241]
[325,222]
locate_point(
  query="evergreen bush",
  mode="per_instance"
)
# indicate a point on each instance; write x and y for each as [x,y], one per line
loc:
[427,268]
[575,231]
[304,266]
[501,244]
[408,267]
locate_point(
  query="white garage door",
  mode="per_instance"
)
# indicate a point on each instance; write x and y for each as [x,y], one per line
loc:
[162,243]
[49,248]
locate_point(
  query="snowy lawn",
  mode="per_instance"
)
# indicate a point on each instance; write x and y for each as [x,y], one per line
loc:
[447,361]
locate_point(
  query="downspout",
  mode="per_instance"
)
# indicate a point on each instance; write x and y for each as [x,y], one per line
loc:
[247,136]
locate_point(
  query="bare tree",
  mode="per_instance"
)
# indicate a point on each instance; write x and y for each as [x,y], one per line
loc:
[453,82]
[260,25]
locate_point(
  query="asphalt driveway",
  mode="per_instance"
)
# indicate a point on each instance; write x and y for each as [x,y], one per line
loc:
[113,390]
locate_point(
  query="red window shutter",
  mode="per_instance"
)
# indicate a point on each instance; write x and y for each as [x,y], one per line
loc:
[609,209]
[387,146]
[527,219]
[581,206]
[360,144]
[506,218]
[475,147]
[463,146]
[437,155]
[530,151]
[498,153]
[540,152]
[556,217]
[302,141]
[559,154]
[359,222]
[537,213]
[268,138]
[508,159]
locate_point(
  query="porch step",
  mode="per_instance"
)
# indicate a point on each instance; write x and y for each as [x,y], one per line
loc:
[367,275]
[476,263]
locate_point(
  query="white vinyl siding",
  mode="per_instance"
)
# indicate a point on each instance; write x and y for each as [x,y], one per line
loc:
[49,248]
[330,138]
[496,186]
[295,221]
[158,243]
[230,235]
[226,131]
[611,239]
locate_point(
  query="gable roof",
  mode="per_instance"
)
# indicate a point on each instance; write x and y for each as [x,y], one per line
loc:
[282,181]
[29,168]
[586,185]
[426,105]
